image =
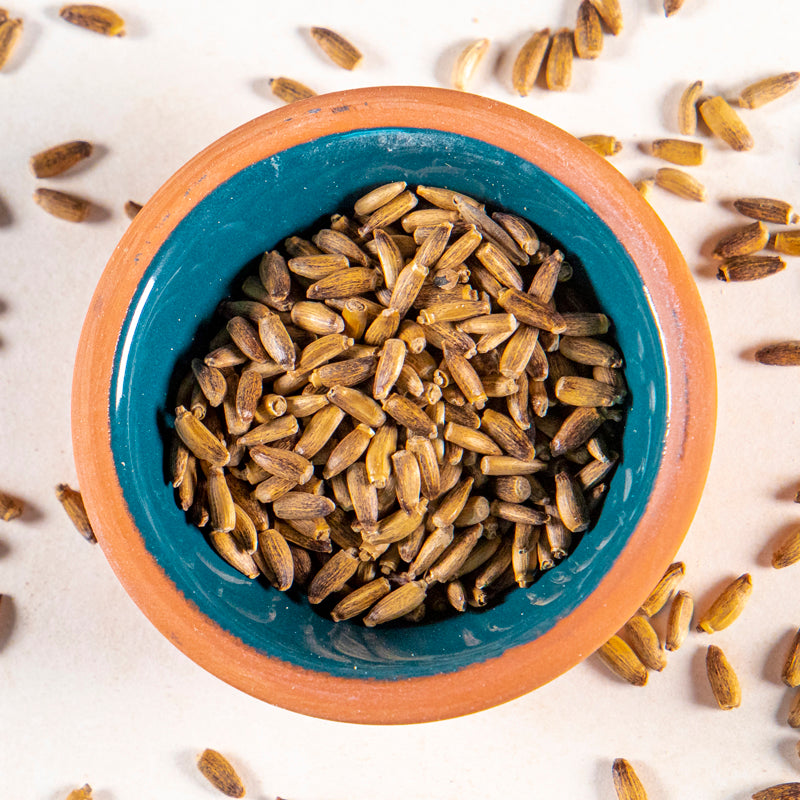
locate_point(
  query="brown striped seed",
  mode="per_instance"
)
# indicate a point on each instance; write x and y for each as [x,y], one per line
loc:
[360,600]
[725,123]
[743,241]
[290,90]
[679,151]
[349,450]
[58,159]
[558,69]
[727,606]
[342,52]
[390,212]
[588,31]
[72,502]
[791,668]
[10,507]
[722,679]
[602,144]
[333,575]
[679,620]
[63,205]
[529,61]
[681,183]
[220,773]
[10,31]
[575,391]
[780,354]
[397,603]
[788,551]
[467,63]
[664,589]
[622,661]
[687,108]
[765,91]
[570,502]
[199,439]
[611,14]
[767,210]
[626,781]
[94,18]
[645,642]
[782,791]
[749,268]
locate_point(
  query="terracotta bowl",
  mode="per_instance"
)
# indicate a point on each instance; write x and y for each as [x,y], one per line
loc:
[186,251]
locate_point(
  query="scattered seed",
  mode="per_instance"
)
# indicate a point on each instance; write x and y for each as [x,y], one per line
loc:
[290,90]
[781,354]
[529,61]
[681,183]
[679,151]
[558,70]
[767,210]
[749,268]
[645,643]
[600,143]
[467,63]
[611,13]
[728,605]
[10,507]
[725,123]
[84,793]
[687,108]
[337,48]
[622,661]
[742,241]
[132,209]
[679,620]
[788,552]
[10,31]
[58,159]
[62,205]
[220,773]
[588,31]
[72,502]
[781,791]
[94,18]
[626,781]
[787,242]
[664,589]
[768,89]
[723,680]
[672,7]
[791,668]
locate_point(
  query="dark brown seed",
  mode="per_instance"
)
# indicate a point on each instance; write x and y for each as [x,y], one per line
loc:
[72,502]
[781,354]
[750,268]
[58,159]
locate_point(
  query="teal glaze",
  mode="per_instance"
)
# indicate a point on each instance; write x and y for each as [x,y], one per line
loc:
[204,260]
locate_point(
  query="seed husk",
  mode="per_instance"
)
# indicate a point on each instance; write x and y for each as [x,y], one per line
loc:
[611,14]
[94,18]
[645,643]
[410,416]
[725,123]
[679,151]
[743,241]
[749,268]
[781,791]
[765,91]
[72,502]
[618,656]
[723,680]
[342,52]
[529,61]
[467,63]
[132,209]
[588,32]
[787,242]
[10,507]
[290,90]
[63,205]
[576,430]
[430,476]
[679,620]
[558,70]
[505,432]
[664,588]
[220,773]
[681,183]
[626,781]
[58,159]
[10,31]
[728,605]
[388,368]
[767,210]
[687,108]
[788,551]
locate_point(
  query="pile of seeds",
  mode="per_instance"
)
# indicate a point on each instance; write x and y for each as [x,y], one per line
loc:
[394,418]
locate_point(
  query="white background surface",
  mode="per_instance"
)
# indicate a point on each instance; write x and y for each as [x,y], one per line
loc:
[90,691]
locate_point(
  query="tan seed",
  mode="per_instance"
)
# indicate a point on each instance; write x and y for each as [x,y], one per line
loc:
[72,503]
[220,773]
[645,643]
[430,475]
[728,605]
[229,548]
[679,151]
[10,31]
[221,507]
[94,18]
[301,505]
[622,661]
[611,13]
[576,430]
[316,318]
[56,160]
[276,340]
[788,551]
[361,599]
[283,463]
[290,90]
[528,62]
[63,205]
[570,502]
[681,183]
[199,439]
[467,63]
[333,575]
[749,268]
[725,123]
[349,450]
[345,283]
[558,70]
[679,620]
[588,32]
[781,354]
[782,791]
[407,473]
[768,89]
[791,668]
[664,589]
[602,144]
[342,52]
[723,680]
[743,241]
[626,781]
[687,108]
[672,7]
[388,213]
[397,603]
[10,507]
[575,391]
[410,416]
[767,210]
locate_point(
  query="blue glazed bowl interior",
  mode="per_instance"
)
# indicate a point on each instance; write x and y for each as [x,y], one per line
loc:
[202,262]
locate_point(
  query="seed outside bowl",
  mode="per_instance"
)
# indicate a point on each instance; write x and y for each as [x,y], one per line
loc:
[191,246]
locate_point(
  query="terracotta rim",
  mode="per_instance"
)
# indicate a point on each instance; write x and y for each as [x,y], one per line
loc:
[676,490]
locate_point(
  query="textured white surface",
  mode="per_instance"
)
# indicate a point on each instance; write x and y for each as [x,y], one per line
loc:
[90,691]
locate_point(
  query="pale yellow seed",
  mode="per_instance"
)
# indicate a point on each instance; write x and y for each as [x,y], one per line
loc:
[681,184]
[10,507]
[602,144]
[679,151]
[679,620]
[645,643]
[611,13]
[72,502]
[664,588]
[768,89]
[467,63]
[588,31]
[10,31]
[687,108]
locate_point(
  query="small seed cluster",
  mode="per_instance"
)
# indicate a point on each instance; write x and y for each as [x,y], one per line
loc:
[395,419]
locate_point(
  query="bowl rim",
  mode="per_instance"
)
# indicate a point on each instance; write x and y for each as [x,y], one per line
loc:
[676,492]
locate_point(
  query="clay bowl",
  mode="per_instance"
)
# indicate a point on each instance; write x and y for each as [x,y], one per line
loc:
[186,251]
